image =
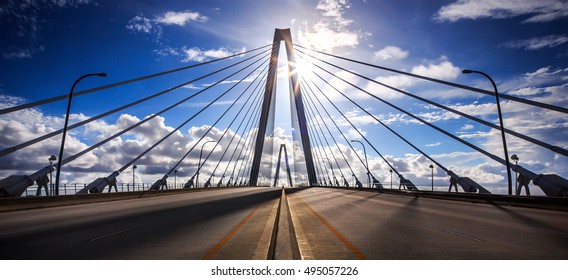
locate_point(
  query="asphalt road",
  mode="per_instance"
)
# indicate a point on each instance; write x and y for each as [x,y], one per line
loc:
[328,223]
[350,224]
[218,224]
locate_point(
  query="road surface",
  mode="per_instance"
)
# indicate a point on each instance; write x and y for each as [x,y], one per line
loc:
[351,224]
[225,224]
[327,223]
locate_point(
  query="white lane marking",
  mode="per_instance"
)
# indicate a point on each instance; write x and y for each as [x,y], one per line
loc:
[115,233]
[453,232]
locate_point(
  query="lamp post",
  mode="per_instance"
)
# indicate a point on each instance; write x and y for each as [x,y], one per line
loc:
[199,164]
[57,173]
[391,177]
[51,159]
[134,177]
[507,163]
[432,167]
[516,159]
[366,163]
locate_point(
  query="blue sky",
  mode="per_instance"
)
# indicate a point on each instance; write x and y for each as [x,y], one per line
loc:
[47,44]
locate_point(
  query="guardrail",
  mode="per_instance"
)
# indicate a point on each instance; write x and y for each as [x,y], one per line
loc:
[34,202]
[541,202]
[73,188]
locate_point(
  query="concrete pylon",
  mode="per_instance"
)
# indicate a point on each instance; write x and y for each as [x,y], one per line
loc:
[269,92]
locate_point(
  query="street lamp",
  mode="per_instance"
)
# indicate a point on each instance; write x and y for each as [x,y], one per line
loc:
[366,163]
[134,177]
[432,167]
[65,128]
[507,163]
[516,159]
[51,159]
[391,177]
[199,164]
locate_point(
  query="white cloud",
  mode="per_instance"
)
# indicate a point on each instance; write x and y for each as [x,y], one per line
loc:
[194,54]
[218,53]
[324,37]
[434,144]
[140,24]
[526,91]
[539,42]
[444,70]
[543,72]
[199,55]
[335,9]
[332,31]
[437,116]
[540,85]
[391,53]
[168,51]
[354,134]
[26,53]
[359,118]
[539,11]
[192,86]
[180,18]
[30,123]
[9,101]
[332,8]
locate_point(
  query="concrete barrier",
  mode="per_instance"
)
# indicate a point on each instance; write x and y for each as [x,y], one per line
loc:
[34,202]
[541,202]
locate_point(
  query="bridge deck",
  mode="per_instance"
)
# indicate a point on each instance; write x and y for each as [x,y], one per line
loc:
[328,223]
[195,225]
[351,224]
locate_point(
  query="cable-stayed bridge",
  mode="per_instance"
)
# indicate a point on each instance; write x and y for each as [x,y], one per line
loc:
[312,222]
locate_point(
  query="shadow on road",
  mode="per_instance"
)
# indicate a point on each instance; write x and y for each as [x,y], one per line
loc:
[71,241]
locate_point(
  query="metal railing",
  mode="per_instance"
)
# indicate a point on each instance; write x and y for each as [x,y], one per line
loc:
[73,188]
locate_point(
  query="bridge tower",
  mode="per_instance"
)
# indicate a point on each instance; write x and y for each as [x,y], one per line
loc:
[268,104]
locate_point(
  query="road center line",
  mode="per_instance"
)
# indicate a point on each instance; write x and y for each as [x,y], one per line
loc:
[221,243]
[346,242]
[115,233]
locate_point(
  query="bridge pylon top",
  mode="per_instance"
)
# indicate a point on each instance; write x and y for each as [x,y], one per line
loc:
[282,34]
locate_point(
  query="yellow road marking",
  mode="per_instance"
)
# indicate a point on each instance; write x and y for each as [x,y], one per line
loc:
[221,243]
[346,242]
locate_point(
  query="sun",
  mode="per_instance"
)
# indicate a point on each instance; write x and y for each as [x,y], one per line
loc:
[304,68]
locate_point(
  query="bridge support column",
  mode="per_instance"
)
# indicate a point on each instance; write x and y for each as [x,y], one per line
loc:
[269,92]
